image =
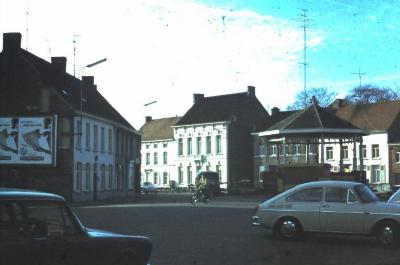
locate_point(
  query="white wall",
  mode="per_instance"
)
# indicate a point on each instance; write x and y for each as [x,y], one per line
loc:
[92,156]
[382,161]
[203,160]
[159,147]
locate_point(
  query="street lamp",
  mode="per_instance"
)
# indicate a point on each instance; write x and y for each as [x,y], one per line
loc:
[88,66]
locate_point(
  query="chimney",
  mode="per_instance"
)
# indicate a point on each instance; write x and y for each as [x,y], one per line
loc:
[148,119]
[197,98]
[251,91]
[59,63]
[87,87]
[274,111]
[11,41]
[87,82]
[338,103]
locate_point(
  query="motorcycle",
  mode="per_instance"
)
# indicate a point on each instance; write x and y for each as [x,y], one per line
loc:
[200,195]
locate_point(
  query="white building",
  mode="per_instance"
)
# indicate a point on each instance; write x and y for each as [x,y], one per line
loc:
[106,150]
[375,152]
[215,134]
[159,152]
[201,147]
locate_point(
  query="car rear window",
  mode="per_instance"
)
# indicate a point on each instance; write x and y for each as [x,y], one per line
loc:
[365,194]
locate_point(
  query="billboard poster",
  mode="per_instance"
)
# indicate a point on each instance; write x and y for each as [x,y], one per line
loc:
[9,139]
[27,140]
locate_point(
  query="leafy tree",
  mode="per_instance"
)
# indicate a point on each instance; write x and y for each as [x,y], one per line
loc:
[303,98]
[372,94]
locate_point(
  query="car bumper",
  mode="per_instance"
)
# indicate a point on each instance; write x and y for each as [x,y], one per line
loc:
[255,221]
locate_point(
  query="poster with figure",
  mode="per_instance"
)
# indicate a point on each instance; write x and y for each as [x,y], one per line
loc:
[27,140]
[9,139]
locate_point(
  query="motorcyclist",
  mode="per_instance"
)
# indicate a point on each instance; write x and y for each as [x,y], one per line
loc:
[201,188]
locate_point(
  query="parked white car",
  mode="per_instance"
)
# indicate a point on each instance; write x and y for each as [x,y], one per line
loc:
[332,207]
[149,187]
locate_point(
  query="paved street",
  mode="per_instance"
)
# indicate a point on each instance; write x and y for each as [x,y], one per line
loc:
[220,233]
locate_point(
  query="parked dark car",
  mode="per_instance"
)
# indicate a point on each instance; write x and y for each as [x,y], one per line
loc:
[212,181]
[39,228]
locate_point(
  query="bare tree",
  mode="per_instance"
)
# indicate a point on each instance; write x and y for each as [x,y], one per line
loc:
[304,98]
[372,94]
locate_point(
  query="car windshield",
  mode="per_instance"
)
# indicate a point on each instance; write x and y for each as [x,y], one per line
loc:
[395,197]
[365,194]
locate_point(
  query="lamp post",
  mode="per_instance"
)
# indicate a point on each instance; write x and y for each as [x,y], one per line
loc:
[88,66]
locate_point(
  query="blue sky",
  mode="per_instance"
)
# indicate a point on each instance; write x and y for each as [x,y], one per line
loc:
[358,35]
[166,50]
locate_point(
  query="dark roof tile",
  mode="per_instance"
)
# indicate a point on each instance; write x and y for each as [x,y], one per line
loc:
[95,103]
[224,108]
[377,116]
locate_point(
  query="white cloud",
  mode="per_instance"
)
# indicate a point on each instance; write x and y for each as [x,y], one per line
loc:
[168,50]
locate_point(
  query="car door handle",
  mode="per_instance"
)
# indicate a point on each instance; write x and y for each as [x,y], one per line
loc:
[325,205]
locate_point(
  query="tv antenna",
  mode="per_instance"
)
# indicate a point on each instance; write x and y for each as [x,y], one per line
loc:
[303,18]
[74,41]
[359,75]
[27,23]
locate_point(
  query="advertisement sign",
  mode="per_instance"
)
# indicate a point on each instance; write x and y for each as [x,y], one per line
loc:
[27,140]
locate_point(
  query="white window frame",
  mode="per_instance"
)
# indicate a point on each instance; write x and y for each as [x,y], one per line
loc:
[329,152]
[375,151]
[273,150]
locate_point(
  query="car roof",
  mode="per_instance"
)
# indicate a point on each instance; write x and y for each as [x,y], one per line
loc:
[207,172]
[329,183]
[23,194]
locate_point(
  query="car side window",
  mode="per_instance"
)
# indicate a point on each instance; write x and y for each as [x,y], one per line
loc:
[338,195]
[48,219]
[306,195]
[351,197]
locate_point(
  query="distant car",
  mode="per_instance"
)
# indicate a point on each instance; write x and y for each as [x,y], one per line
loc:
[39,227]
[149,187]
[330,207]
[212,181]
